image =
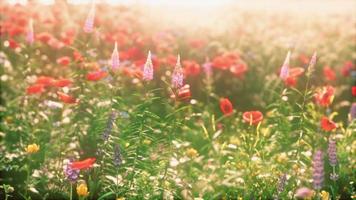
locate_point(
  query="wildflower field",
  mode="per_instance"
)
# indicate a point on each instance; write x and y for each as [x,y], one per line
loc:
[130,101]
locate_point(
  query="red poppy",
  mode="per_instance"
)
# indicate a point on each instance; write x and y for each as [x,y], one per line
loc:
[222,62]
[184,93]
[238,69]
[35,89]
[252,117]
[77,56]
[97,75]
[66,98]
[353,91]
[63,82]
[44,37]
[16,30]
[45,80]
[64,61]
[324,96]
[226,106]
[329,73]
[13,44]
[348,66]
[327,125]
[304,59]
[191,68]
[290,81]
[197,43]
[84,164]
[294,73]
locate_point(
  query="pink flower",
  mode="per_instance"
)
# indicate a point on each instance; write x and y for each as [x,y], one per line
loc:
[89,22]
[285,67]
[148,68]
[304,193]
[30,35]
[178,76]
[115,61]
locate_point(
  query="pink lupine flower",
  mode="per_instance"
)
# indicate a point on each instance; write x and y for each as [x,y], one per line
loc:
[332,153]
[30,34]
[285,67]
[148,68]
[304,193]
[177,76]
[89,22]
[312,64]
[318,170]
[115,61]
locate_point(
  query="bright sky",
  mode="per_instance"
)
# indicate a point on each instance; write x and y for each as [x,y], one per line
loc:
[348,6]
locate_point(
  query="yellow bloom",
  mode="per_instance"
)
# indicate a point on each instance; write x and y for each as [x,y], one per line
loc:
[32,148]
[146,141]
[82,190]
[324,195]
[191,153]
[120,198]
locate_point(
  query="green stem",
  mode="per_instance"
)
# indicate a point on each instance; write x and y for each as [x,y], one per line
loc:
[71,191]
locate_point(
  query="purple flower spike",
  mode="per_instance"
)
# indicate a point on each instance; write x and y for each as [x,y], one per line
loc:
[178,76]
[89,22]
[332,153]
[318,170]
[285,67]
[117,155]
[109,125]
[312,64]
[353,111]
[207,66]
[30,34]
[70,173]
[148,68]
[115,61]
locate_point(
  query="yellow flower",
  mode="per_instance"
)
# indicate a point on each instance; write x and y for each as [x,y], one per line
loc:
[32,148]
[324,195]
[146,141]
[191,153]
[120,198]
[82,190]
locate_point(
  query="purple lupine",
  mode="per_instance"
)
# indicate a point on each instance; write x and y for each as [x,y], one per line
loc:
[89,22]
[177,76]
[312,64]
[207,66]
[148,68]
[117,155]
[332,152]
[70,173]
[318,170]
[30,34]
[332,158]
[109,125]
[353,111]
[285,67]
[115,61]
[281,184]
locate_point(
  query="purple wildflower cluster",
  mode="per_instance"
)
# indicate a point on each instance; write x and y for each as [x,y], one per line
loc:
[30,34]
[318,170]
[285,67]
[148,68]
[177,76]
[115,61]
[332,159]
[89,22]
[109,124]
[117,155]
[70,173]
